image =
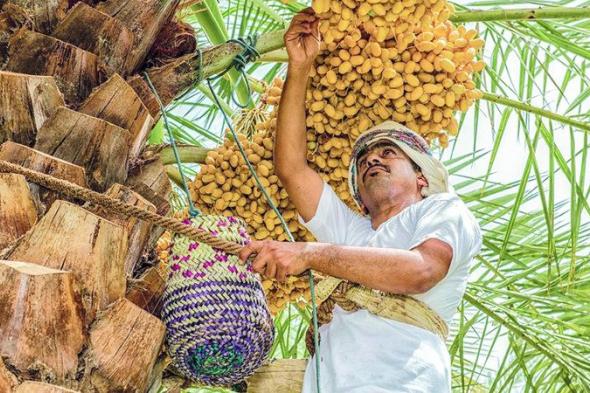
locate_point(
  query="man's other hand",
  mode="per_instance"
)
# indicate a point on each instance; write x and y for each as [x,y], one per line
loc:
[302,39]
[276,259]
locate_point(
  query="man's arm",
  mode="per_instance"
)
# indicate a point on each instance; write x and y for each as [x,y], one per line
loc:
[390,270]
[302,183]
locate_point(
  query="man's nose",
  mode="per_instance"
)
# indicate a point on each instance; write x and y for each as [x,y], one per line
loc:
[373,158]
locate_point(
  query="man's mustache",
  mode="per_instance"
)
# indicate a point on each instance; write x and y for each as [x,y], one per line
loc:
[373,166]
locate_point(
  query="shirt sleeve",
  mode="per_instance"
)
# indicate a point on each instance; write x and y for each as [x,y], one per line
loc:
[450,221]
[332,218]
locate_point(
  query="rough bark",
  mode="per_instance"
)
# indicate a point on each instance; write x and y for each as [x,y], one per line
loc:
[18,211]
[71,238]
[41,320]
[169,81]
[146,291]
[76,71]
[177,76]
[96,145]
[96,32]
[40,387]
[149,179]
[26,101]
[116,102]
[285,376]
[138,230]
[44,13]
[7,379]
[144,18]
[41,162]
[124,344]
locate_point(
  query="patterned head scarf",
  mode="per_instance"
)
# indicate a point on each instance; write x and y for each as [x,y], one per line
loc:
[412,144]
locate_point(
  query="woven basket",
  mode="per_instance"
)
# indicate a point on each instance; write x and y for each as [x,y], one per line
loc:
[219,329]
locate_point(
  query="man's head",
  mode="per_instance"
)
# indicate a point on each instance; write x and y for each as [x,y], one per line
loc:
[390,160]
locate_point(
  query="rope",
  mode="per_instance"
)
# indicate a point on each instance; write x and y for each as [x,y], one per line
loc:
[191,207]
[250,53]
[75,191]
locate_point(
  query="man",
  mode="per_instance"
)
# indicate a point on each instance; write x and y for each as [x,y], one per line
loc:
[415,238]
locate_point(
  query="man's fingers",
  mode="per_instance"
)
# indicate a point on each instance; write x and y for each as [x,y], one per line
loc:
[252,247]
[281,274]
[259,263]
[303,18]
[271,269]
[297,30]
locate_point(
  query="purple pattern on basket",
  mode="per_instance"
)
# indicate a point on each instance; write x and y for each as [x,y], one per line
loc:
[186,221]
[218,329]
[221,257]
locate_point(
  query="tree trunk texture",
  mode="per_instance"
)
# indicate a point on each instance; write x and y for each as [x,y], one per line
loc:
[116,102]
[41,162]
[26,101]
[76,71]
[44,13]
[138,230]
[96,145]
[12,18]
[96,32]
[169,81]
[146,291]
[144,18]
[124,344]
[40,387]
[149,179]
[41,320]
[18,211]
[177,76]
[71,238]
[7,379]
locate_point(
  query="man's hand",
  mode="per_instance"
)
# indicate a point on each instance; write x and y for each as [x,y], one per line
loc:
[302,40]
[276,259]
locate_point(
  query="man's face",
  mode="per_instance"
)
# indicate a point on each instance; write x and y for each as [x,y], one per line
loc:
[385,170]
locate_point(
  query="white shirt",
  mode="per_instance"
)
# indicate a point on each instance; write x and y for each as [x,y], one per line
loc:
[362,352]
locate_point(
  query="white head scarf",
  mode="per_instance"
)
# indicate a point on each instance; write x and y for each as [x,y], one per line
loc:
[413,145]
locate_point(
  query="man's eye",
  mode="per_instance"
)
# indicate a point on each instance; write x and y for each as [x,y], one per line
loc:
[388,151]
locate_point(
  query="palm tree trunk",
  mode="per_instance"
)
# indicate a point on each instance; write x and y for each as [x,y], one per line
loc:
[74,261]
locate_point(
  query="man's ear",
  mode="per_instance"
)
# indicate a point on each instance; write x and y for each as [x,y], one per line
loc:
[421,180]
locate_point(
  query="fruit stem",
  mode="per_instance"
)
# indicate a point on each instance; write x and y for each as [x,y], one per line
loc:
[535,110]
[521,14]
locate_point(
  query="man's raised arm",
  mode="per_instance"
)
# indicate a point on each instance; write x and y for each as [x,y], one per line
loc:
[303,184]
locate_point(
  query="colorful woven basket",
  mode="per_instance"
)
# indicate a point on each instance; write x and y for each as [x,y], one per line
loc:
[219,329]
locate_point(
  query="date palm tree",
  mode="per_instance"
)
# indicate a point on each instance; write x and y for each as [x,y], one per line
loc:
[519,162]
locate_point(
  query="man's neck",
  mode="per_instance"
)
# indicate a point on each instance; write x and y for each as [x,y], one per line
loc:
[386,209]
